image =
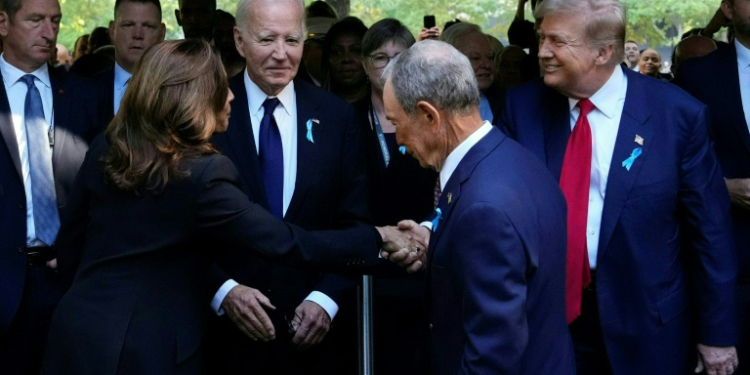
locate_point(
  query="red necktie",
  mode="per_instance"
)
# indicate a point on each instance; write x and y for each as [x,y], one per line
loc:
[574,182]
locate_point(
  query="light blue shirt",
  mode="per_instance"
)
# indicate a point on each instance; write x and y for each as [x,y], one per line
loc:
[743,67]
[286,119]
[484,108]
[122,77]
[604,120]
[16,91]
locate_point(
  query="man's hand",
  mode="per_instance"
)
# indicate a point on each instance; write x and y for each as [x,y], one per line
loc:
[310,324]
[244,306]
[431,33]
[739,191]
[716,360]
[407,247]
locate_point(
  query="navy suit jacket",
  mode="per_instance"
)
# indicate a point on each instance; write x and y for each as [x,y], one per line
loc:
[329,193]
[714,80]
[137,303]
[78,118]
[107,81]
[496,267]
[666,265]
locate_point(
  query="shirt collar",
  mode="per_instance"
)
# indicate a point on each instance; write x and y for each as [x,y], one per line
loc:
[455,157]
[606,98]
[11,74]
[121,76]
[743,55]
[256,96]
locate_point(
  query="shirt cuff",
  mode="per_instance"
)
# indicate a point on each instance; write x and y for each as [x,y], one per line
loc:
[427,224]
[325,302]
[221,294]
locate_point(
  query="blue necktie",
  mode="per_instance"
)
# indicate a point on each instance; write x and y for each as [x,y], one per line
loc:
[44,199]
[272,158]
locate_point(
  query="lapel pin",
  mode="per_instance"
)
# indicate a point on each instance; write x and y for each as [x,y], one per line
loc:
[402,150]
[450,197]
[628,163]
[61,91]
[310,128]
[639,140]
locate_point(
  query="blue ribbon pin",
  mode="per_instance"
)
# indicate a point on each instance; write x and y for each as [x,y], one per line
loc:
[436,220]
[629,161]
[402,150]
[309,129]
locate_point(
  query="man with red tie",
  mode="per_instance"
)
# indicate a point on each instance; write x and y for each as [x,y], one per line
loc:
[651,262]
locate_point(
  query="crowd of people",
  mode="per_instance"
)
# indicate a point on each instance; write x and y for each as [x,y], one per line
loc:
[559,205]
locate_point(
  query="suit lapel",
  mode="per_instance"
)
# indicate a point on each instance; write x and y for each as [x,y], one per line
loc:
[60,117]
[728,83]
[451,194]
[556,131]
[308,105]
[7,132]
[635,115]
[241,140]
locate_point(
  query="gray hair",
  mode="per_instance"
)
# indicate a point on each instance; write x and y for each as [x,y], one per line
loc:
[460,29]
[245,7]
[434,72]
[605,21]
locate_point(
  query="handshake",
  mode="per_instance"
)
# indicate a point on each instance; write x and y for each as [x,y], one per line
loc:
[405,244]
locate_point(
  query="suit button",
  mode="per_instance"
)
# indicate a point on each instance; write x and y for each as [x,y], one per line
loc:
[21,250]
[431,326]
[20,207]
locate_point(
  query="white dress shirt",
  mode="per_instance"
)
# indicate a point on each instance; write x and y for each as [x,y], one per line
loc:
[605,121]
[16,91]
[743,67]
[121,83]
[286,119]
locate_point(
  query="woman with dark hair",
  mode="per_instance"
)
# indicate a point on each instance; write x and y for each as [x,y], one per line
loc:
[152,207]
[399,189]
[342,59]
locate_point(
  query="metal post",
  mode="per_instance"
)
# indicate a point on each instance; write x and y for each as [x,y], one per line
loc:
[365,325]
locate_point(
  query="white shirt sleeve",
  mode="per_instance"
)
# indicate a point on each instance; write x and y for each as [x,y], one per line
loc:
[221,294]
[325,302]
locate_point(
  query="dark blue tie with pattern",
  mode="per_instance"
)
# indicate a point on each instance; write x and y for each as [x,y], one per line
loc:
[44,198]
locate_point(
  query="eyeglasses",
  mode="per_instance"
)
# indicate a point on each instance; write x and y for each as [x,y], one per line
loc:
[380,60]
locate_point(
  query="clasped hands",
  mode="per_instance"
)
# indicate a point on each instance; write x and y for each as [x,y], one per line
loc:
[405,244]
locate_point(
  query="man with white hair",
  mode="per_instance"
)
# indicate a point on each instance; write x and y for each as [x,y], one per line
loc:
[496,259]
[297,148]
[651,260]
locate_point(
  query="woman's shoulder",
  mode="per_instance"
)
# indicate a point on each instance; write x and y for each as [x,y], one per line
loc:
[210,167]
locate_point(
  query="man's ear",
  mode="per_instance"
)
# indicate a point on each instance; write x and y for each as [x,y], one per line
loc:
[428,116]
[238,41]
[604,54]
[4,23]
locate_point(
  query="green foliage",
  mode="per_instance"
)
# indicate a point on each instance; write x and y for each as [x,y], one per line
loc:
[648,20]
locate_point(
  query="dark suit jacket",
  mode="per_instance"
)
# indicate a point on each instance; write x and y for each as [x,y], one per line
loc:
[714,80]
[78,119]
[664,224]
[330,192]
[137,303]
[497,267]
[107,81]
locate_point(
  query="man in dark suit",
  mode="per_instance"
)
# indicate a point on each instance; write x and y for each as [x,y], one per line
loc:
[721,80]
[135,28]
[301,158]
[651,261]
[496,255]
[47,119]
[196,17]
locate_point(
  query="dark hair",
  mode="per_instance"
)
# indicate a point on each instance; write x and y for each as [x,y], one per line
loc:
[157,3]
[347,25]
[450,23]
[211,4]
[168,113]
[384,31]
[10,6]
[98,38]
[320,9]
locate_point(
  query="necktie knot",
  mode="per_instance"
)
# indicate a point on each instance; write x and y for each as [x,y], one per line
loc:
[586,106]
[28,79]
[270,105]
